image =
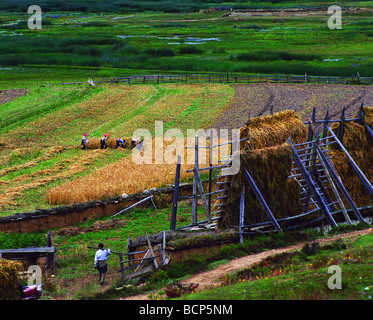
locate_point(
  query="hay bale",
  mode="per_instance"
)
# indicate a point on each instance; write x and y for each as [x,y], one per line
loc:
[360,147]
[9,279]
[94,143]
[269,131]
[269,168]
[368,116]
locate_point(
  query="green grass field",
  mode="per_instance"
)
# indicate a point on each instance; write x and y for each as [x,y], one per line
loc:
[82,45]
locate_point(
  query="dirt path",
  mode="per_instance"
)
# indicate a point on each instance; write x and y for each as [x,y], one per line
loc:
[209,278]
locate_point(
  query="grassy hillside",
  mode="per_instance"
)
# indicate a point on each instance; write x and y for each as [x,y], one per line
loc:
[41,131]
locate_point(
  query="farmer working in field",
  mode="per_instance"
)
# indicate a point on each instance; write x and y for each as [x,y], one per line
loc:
[100,262]
[84,141]
[120,142]
[133,143]
[103,142]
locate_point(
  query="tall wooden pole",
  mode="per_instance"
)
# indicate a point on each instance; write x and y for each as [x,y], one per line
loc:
[176,194]
[195,198]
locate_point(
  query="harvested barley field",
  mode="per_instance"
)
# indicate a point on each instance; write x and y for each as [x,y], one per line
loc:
[35,124]
[41,164]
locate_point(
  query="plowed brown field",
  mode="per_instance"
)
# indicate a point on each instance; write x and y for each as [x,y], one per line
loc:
[252,100]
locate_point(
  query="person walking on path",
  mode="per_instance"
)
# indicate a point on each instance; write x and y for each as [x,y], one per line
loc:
[100,262]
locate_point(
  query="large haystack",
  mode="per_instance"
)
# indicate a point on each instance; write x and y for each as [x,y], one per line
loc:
[268,158]
[360,147]
[269,168]
[269,131]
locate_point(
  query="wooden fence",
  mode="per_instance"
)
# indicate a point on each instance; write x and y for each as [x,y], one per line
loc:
[312,170]
[224,78]
[29,253]
[149,260]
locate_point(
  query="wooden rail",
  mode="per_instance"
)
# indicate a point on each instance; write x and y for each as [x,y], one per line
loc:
[225,78]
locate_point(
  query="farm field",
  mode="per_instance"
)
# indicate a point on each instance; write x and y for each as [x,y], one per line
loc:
[40,138]
[43,118]
[40,158]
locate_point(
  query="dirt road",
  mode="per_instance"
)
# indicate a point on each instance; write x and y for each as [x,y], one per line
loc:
[209,278]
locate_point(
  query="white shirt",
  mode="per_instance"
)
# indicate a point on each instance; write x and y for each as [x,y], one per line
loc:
[101,254]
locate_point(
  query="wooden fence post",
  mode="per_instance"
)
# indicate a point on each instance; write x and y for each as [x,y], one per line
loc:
[335,191]
[210,170]
[360,115]
[341,126]
[151,251]
[203,197]
[160,253]
[49,244]
[339,183]
[311,185]
[242,213]
[259,196]
[369,130]
[195,199]
[326,124]
[123,276]
[176,194]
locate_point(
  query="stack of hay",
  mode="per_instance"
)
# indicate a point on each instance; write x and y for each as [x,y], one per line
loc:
[269,131]
[269,168]
[360,147]
[268,159]
[94,143]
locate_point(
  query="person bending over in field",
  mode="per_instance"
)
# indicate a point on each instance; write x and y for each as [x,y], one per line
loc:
[103,142]
[133,143]
[101,263]
[120,142]
[84,141]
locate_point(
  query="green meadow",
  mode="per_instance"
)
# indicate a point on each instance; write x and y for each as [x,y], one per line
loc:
[77,45]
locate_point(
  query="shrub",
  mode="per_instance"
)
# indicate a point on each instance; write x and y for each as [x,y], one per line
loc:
[161,52]
[159,276]
[190,50]
[23,240]
[273,56]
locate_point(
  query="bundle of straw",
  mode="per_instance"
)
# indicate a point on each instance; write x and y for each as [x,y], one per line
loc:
[269,131]
[269,168]
[360,147]
[94,143]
